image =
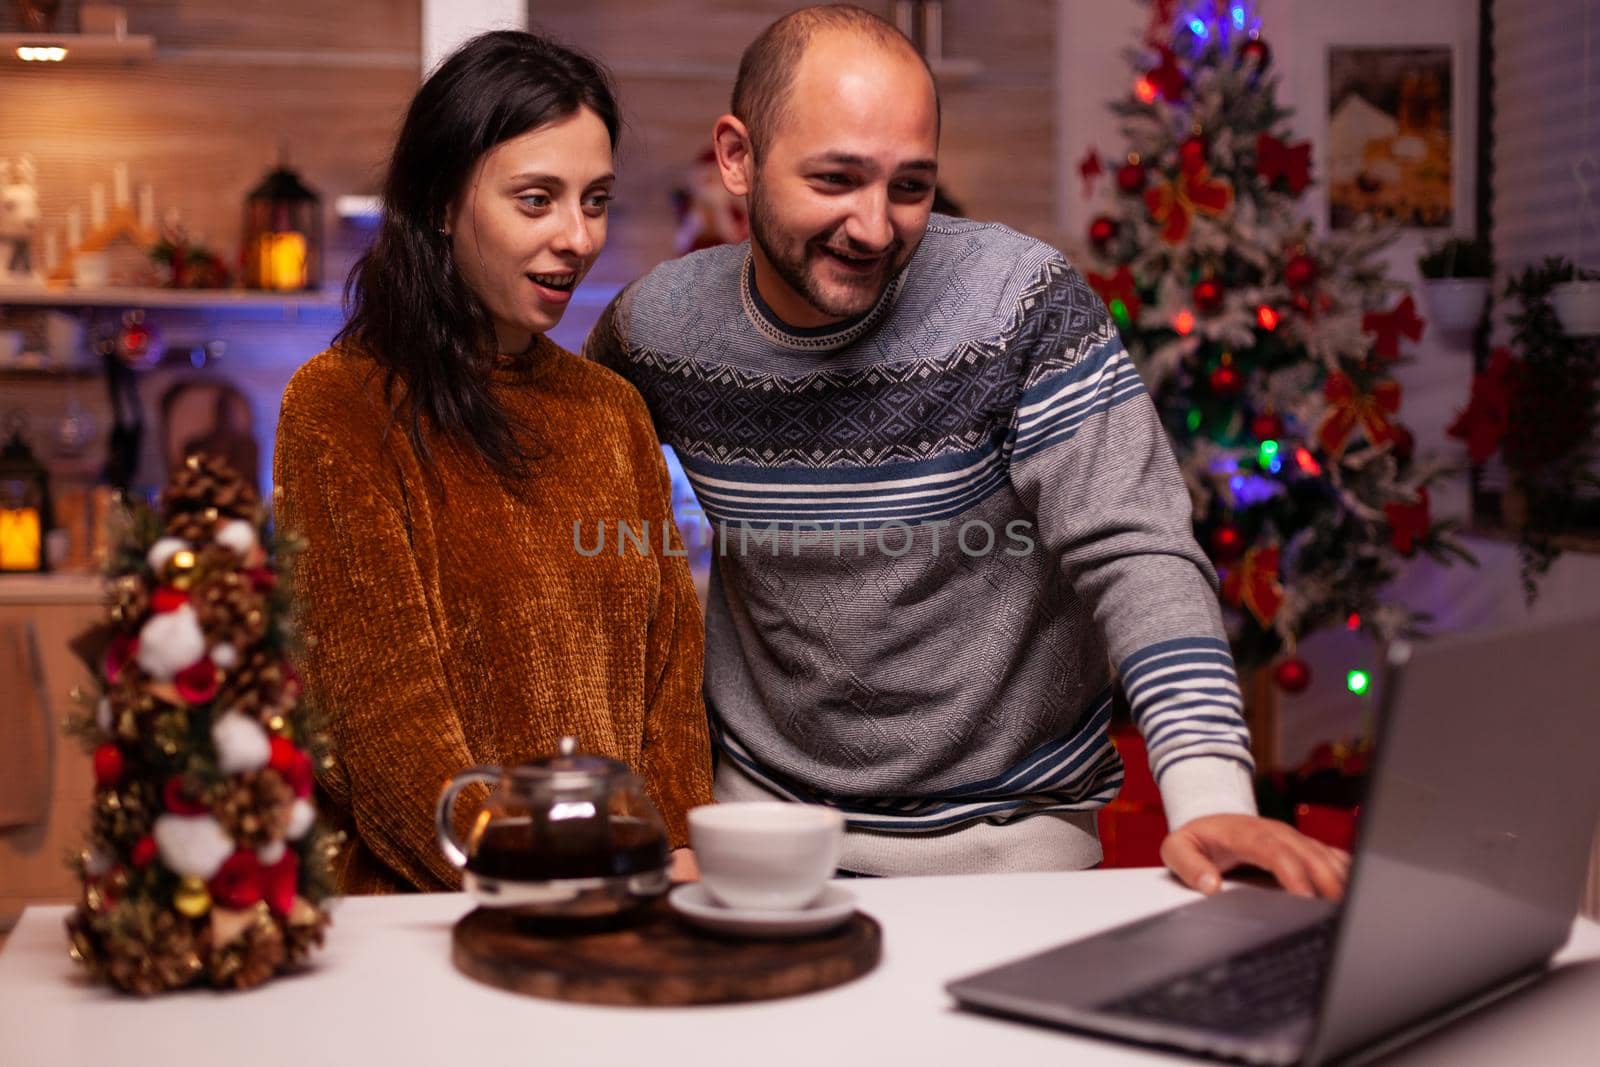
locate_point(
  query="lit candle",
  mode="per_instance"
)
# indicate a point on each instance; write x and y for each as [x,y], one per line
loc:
[147,206]
[119,185]
[19,539]
[97,205]
[283,260]
[74,227]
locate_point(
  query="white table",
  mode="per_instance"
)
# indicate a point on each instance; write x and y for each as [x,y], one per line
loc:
[383,992]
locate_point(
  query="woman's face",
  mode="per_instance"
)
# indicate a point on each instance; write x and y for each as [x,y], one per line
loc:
[530,222]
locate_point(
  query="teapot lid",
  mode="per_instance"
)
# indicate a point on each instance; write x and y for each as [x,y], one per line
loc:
[569,769]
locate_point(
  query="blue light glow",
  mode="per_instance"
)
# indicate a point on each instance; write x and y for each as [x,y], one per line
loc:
[1238,17]
[1198,27]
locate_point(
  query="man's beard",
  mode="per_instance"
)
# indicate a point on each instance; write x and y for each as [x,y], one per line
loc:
[791,260]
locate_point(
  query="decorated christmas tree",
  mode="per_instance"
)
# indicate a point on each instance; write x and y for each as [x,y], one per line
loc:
[1270,351]
[204,861]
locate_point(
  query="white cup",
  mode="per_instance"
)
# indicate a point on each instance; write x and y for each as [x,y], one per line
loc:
[766,855]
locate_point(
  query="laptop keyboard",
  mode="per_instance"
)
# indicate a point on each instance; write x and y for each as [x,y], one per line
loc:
[1245,994]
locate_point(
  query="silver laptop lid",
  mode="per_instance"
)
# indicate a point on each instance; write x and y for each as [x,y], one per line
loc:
[1476,833]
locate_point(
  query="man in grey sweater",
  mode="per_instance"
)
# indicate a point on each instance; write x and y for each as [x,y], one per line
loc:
[944,508]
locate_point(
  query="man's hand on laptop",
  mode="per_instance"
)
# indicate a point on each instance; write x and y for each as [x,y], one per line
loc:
[1202,850]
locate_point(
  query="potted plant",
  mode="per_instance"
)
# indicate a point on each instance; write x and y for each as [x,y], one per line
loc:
[1576,300]
[1456,277]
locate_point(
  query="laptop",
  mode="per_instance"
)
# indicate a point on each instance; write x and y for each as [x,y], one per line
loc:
[1471,858]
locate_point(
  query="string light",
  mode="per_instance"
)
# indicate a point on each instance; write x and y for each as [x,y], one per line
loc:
[1267,317]
[1358,682]
[1267,457]
[1184,323]
[1353,622]
[1307,462]
[1193,420]
[1145,90]
[41,54]
[1119,311]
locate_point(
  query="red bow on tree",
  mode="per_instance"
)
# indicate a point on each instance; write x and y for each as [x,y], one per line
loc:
[1254,582]
[1408,522]
[1089,166]
[1168,77]
[1292,163]
[1158,31]
[1349,407]
[1117,286]
[1174,203]
[1482,423]
[1389,326]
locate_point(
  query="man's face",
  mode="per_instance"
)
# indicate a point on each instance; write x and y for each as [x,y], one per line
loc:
[840,196]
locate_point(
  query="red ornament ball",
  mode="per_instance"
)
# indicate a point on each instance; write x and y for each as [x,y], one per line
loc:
[1266,427]
[1300,271]
[1102,231]
[144,851]
[1292,675]
[1208,296]
[1226,381]
[1131,178]
[1227,543]
[1193,153]
[166,599]
[108,765]
[238,883]
[1256,51]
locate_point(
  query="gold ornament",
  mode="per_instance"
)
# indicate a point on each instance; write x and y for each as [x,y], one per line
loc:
[192,899]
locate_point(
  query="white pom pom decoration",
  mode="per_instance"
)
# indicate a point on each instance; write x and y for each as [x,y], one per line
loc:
[237,535]
[301,817]
[225,656]
[162,551]
[270,853]
[171,641]
[242,745]
[193,846]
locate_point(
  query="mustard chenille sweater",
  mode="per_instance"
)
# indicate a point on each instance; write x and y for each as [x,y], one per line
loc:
[452,622]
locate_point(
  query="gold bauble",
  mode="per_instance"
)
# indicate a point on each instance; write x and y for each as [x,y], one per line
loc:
[191,898]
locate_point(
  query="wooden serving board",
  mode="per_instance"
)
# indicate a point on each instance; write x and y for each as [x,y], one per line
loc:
[657,958]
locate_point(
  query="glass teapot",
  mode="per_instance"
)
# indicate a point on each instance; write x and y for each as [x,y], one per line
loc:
[567,836]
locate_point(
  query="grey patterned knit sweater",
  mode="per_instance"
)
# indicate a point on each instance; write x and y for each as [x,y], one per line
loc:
[939,528]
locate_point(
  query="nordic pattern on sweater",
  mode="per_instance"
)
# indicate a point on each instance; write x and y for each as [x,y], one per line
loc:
[858,653]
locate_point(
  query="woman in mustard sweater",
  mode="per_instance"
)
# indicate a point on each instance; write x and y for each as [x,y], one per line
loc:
[437,458]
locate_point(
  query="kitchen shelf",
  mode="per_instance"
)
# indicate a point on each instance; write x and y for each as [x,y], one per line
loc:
[158,298]
[87,47]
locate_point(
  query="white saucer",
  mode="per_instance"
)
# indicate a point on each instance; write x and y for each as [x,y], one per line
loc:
[694,903]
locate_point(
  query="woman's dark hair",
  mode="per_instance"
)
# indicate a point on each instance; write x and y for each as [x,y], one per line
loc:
[410,309]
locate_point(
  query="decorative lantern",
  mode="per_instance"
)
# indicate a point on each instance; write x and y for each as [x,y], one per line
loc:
[282,234]
[24,507]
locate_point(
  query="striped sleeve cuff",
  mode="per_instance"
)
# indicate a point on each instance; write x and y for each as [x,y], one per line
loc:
[1186,702]
[1206,785]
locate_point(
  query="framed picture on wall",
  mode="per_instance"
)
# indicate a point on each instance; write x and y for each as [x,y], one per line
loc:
[1392,152]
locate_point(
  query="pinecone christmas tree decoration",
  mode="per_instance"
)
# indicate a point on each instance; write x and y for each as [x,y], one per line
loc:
[254,808]
[203,492]
[204,860]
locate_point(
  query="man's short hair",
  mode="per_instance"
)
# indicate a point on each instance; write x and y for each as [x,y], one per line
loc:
[767,68]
